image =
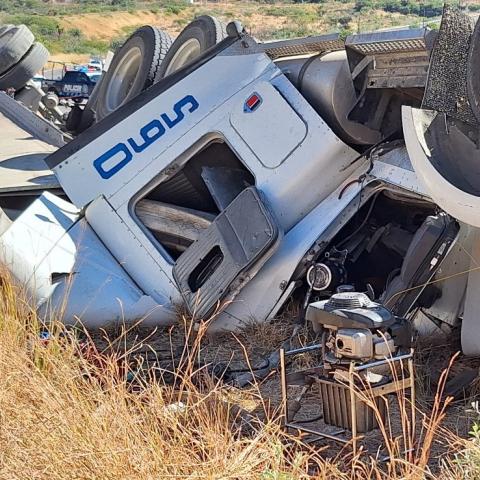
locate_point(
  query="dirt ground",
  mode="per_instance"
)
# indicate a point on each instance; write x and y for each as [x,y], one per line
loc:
[250,348]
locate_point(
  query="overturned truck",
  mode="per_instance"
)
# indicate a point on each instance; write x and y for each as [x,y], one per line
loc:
[252,173]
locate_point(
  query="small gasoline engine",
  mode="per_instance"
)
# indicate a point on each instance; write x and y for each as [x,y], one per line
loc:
[361,334]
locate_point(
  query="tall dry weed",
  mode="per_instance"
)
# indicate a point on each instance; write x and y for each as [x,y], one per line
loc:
[69,412]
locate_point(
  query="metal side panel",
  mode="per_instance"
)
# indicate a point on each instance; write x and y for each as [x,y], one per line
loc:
[471,311]
[96,291]
[28,242]
[219,263]
[135,252]
[286,129]
[24,147]
[393,166]
[124,144]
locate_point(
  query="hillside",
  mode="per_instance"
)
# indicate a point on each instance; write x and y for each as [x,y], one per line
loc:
[262,21]
[74,30]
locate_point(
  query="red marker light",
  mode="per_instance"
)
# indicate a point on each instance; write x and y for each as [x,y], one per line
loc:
[252,102]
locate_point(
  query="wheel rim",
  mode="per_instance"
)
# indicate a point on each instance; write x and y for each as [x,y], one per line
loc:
[190,50]
[123,79]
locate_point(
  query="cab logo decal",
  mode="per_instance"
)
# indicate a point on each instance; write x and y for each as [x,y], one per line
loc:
[114,159]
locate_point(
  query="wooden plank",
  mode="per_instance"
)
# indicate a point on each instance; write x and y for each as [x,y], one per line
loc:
[392,387]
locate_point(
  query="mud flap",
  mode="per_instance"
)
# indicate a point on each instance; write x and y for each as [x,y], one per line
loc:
[447,83]
[227,254]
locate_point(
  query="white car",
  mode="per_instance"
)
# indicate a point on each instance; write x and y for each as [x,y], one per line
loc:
[95,64]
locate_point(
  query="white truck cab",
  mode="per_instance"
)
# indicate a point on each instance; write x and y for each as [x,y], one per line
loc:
[176,144]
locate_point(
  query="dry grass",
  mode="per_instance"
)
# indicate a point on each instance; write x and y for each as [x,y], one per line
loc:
[68,412]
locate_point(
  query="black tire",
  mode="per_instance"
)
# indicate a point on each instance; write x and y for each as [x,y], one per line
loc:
[134,67]
[206,30]
[24,70]
[14,44]
[74,118]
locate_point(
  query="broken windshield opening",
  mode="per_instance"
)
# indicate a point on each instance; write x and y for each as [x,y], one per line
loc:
[177,210]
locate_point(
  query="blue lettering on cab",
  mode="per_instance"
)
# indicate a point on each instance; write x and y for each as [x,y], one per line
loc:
[122,153]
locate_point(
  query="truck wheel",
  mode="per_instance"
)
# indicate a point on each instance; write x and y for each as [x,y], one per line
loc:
[14,44]
[25,69]
[134,67]
[197,37]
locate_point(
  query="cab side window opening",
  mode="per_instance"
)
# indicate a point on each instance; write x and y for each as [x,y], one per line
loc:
[177,210]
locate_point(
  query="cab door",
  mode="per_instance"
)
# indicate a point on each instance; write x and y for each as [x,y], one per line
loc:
[227,254]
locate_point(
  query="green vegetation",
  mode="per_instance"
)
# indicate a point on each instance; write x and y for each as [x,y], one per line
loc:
[283,18]
[41,7]
[49,31]
[424,8]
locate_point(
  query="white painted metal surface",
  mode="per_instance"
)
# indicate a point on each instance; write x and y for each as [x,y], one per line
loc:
[67,271]
[458,203]
[21,154]
[273,130]
[471,312]
[320,155]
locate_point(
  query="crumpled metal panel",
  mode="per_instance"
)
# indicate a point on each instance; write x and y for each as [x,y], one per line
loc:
[67,271]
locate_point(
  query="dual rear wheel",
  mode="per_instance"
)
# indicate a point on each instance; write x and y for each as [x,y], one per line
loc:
[20,57]
[147,56]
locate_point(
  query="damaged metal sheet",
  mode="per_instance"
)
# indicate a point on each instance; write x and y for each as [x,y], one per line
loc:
[220,261]
[68,272]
